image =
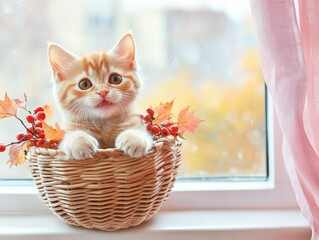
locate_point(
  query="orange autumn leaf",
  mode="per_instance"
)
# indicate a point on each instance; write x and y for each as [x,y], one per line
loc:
[8,107]
[48,111]
[180,135]
[187,121]
[53,135]
[163,112]
[17,154]
[22,103]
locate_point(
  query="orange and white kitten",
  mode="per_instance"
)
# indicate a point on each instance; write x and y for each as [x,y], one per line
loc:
[96,95]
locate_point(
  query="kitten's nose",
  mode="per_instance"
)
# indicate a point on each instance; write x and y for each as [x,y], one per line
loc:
[103,93]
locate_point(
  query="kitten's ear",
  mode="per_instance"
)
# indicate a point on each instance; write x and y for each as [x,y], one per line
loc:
[124,51]
[61,60]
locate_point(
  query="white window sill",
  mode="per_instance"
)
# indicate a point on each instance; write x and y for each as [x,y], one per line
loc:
[175,225]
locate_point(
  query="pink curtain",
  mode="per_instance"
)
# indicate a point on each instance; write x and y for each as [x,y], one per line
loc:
[290,58]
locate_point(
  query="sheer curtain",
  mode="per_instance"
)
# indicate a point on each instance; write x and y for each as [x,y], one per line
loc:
[289,48]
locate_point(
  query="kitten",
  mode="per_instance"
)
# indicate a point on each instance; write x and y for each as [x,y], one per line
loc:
[96,95]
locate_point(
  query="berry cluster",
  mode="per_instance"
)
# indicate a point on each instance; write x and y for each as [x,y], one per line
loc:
[34,133]
[164,129]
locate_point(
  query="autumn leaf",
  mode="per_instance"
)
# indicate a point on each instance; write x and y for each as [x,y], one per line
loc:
[20,103]
[48,112]
[163,112]
[187,121]
[53,135]
[8,107]
[17,154]
[180,135]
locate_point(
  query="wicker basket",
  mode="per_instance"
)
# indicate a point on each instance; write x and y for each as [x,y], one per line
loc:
[109,192]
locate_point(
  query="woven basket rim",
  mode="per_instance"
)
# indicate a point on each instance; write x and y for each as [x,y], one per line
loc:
[108,151]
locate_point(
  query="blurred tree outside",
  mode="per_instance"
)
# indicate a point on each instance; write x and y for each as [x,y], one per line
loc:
[231,141]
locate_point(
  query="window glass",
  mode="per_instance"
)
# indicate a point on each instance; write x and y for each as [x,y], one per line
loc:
[200,53]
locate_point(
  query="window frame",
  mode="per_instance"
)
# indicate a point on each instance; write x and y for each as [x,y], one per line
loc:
[274,193]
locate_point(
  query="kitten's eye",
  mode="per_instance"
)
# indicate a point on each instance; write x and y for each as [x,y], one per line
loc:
[85,84]
[115,79]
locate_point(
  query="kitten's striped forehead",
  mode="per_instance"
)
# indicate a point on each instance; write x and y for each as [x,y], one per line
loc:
[96,64]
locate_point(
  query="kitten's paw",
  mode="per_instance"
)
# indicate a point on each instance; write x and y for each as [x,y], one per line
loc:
[79,145]
[134,143]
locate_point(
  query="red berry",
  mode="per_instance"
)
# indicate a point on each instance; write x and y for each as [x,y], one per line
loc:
[150,111]
[20,136]
[41,115]
[147,118]
[167,123]
[38,131]
[174,129]
[165,131]
[148,127]
[42,135]
[155,129]
[40,142]
[174,134]
[38,109]
[30,118]
[28,136]
[2,147]
[31,129]
[38,124]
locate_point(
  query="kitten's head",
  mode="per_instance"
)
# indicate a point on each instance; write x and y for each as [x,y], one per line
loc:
[98,85]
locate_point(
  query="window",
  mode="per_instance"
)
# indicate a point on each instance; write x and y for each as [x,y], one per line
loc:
[206,57]
[200,53]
